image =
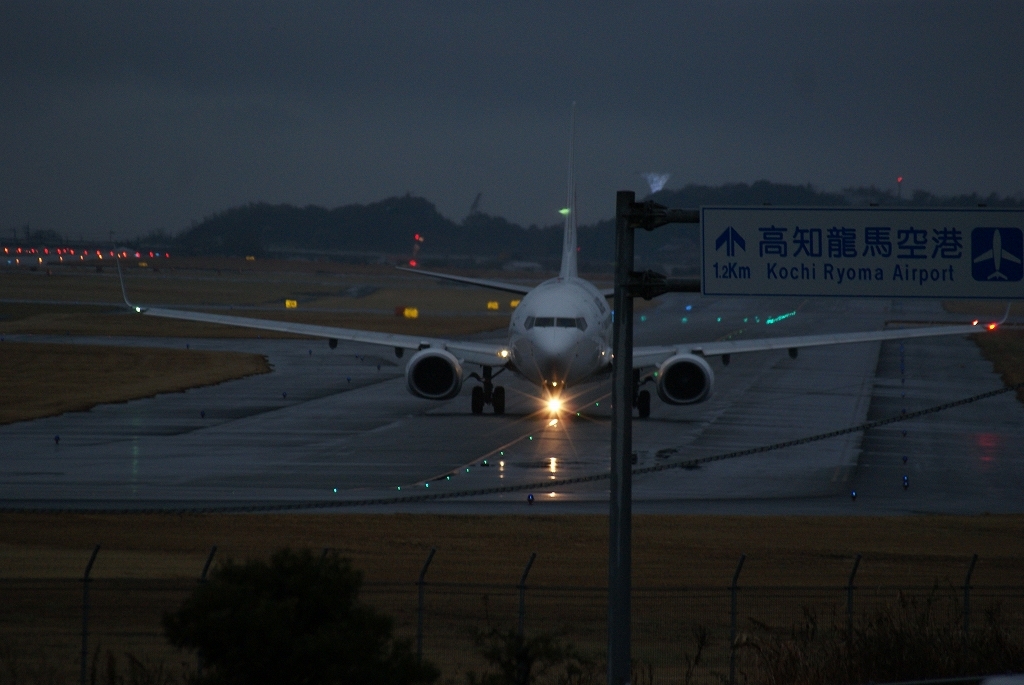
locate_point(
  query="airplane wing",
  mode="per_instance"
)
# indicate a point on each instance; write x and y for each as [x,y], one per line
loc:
[485,354]
[654,355]
[482,282]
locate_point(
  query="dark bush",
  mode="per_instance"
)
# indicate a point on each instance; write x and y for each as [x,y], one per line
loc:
[296,620]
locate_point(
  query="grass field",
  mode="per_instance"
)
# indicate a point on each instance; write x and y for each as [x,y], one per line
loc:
[50,379]
[572,550]
[1005,349]
[480,558]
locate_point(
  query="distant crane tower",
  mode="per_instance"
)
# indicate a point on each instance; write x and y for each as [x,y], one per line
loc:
[475,207]
[417,240]
[899,188]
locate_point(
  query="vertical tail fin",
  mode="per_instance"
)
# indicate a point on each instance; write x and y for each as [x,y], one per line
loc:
[568,269]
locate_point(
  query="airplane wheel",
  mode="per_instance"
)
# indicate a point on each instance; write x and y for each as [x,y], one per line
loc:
[498,400]
[477,403]
[643,404]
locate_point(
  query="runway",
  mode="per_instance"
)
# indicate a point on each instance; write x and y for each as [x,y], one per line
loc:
[339,426]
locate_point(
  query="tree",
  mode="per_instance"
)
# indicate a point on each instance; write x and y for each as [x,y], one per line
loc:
[296,620]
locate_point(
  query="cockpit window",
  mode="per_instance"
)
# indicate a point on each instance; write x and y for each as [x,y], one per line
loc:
[555,322]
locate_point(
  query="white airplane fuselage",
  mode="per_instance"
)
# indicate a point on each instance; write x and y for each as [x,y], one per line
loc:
[560,334]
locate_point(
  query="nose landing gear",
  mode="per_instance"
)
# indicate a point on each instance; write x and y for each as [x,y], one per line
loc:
[488,393]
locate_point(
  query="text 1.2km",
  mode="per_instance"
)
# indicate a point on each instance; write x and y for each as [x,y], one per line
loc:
[731,270]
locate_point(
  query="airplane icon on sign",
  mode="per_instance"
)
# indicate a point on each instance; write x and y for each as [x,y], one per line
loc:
[1006,253]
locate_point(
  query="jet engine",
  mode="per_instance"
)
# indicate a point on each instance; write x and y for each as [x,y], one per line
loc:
[434,374]
[685,379]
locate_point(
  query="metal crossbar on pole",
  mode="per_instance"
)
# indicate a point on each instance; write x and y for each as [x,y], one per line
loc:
[85,611]
[419,612]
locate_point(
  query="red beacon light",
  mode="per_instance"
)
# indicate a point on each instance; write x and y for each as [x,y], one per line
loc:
[412,262]
[992,326]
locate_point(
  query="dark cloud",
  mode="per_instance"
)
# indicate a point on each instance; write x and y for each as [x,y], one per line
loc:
[133,116]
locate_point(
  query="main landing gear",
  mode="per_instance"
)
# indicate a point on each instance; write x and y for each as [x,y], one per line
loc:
[641,399]
[488,393]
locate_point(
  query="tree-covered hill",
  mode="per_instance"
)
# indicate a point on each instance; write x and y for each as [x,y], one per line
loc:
[387,227]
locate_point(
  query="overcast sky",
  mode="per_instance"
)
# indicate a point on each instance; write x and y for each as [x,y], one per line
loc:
[132,116]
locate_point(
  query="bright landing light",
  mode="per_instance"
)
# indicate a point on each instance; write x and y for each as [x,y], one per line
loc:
[554,405]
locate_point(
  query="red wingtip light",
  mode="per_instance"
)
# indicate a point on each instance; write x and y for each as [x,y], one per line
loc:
[412,262]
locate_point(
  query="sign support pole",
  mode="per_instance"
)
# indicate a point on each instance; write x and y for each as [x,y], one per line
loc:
[620,506]
[629,216]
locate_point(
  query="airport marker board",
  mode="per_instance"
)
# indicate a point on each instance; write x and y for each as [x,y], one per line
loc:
[863,252]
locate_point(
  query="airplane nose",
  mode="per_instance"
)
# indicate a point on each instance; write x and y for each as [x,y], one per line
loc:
[553,352]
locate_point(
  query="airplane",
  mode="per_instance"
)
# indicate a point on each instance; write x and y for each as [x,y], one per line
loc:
[997,254]
[559,336]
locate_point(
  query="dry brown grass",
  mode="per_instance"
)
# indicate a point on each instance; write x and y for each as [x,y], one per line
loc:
[571,550]
[983,307]
[47,380]
[1005,349]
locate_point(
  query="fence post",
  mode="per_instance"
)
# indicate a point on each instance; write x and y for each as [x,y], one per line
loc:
[419,612]
[522,595]
[732,623]
[85,610]
[206,566]
[202,579]
[849,606]
[967,596]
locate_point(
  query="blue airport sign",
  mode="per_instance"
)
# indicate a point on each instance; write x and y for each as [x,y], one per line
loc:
[863,252]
